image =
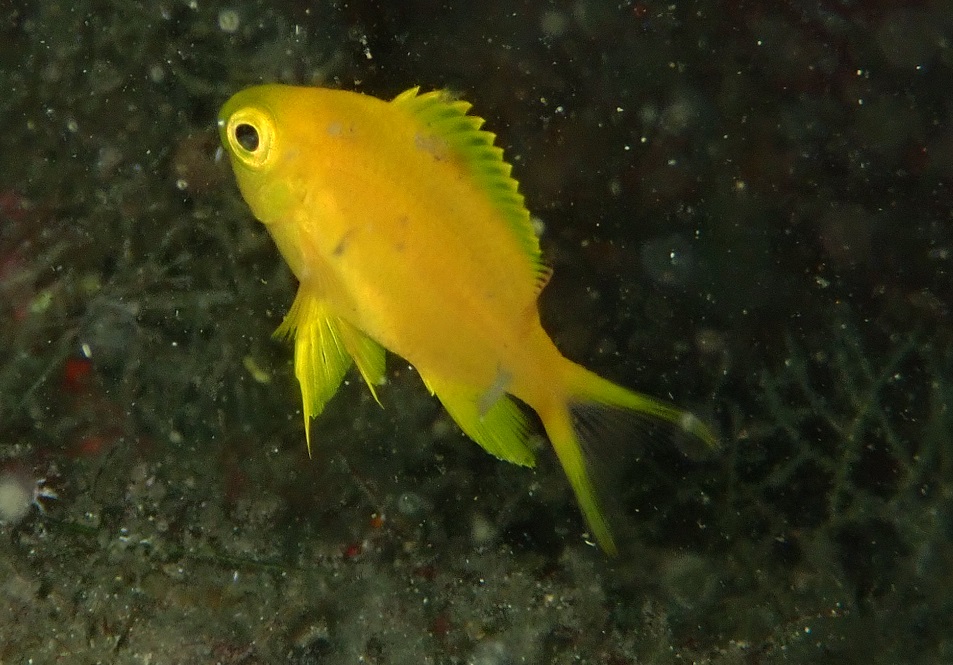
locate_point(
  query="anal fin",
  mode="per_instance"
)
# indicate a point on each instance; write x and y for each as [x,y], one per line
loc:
[501,430]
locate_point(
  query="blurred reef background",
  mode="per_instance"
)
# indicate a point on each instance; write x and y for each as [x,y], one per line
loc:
[749,209]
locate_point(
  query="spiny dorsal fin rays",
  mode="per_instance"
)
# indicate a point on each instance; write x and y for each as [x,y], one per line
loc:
[543,277]
[447,118]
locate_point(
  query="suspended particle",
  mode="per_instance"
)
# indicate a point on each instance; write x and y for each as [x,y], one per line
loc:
[228,20]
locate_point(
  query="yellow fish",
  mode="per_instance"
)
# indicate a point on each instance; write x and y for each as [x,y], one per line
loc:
[406,232]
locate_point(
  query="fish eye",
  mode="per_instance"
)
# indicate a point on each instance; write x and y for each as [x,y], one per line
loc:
[247,137]
[250,136]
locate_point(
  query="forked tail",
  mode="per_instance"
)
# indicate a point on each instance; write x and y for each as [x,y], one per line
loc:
[585,417]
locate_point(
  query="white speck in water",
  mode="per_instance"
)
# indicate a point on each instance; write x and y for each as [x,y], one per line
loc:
[15,498]
[228,20]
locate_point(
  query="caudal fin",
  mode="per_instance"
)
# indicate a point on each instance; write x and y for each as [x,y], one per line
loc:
[588,415]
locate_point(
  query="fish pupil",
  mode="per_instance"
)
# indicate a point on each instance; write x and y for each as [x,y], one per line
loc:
[247,137]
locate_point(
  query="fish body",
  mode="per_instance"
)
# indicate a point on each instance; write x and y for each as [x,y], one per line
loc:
[406,231]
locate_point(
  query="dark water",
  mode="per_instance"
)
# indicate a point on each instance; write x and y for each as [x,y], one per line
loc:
[748,209]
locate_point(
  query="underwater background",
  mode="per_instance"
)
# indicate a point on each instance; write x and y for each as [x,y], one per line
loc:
[749,210]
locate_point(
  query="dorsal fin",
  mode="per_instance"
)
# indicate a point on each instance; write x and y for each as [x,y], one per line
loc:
[447,118]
